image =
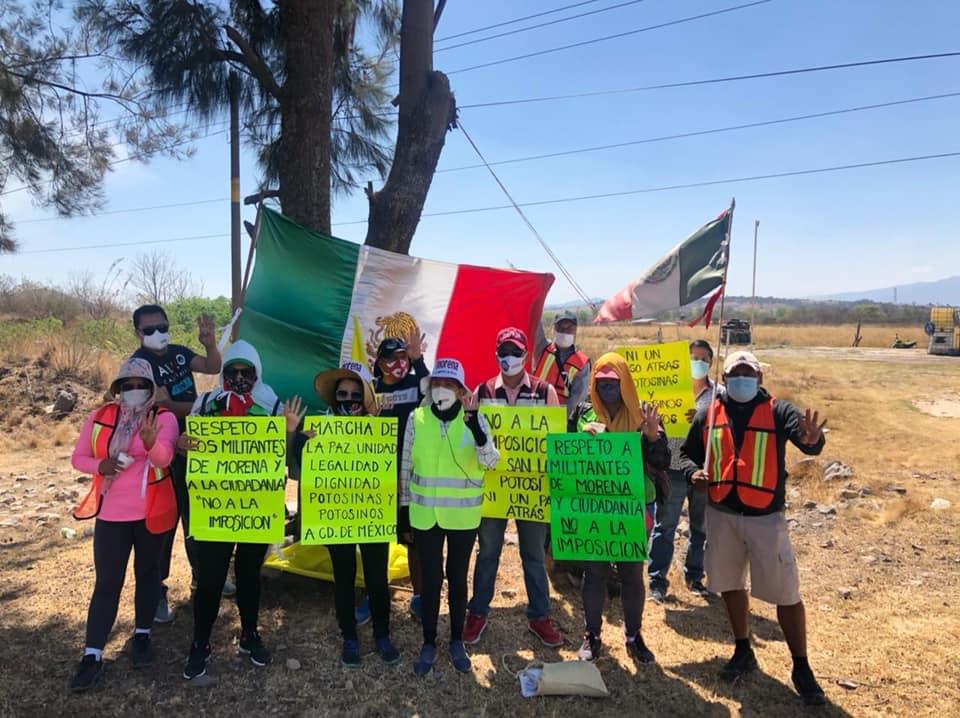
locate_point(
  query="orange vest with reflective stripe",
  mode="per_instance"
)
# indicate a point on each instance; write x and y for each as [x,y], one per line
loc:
[549,371]
[752,470]
[161,509]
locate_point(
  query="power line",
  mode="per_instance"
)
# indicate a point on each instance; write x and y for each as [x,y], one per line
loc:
[565,200]
[539,25]
[126,210]
[710,81]
[516,20]
[689,185]
[125,244]
[604,38]
[699,133]
[546,247]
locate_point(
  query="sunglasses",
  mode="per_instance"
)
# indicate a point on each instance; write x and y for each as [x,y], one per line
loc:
[248,373]
[344,395]
[509,350]
[162,328]
[134,385]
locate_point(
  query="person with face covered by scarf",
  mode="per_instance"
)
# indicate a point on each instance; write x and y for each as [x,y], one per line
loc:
[348,391]
[127,446]
[242,392]
[399,372]
[447,446]
[614,407]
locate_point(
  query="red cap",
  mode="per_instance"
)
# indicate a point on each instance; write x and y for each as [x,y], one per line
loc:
[514,336]
[606,372]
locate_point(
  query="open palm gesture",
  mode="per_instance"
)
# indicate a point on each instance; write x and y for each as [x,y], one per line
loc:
[149,431]
[810,428]
[293,411]
[650,425]
[206,334]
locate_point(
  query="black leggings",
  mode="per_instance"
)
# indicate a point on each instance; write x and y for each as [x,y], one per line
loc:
[213,562]
[178,472]
[374,557]
[429,547]
[112,541]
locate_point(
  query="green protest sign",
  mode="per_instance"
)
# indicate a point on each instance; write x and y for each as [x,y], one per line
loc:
[598,507]
[517,487]
[235,478]
[348,480]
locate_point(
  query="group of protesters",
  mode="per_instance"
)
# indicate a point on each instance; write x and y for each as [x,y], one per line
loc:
[730,469]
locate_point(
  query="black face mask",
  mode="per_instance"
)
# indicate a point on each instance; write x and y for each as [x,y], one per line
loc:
[608,392]
[350,408]
[238,384]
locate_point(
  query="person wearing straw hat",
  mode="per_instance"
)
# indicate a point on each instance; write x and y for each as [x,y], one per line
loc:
[736,451]
[447,446]
[614,407]
[348,391]
[127,445]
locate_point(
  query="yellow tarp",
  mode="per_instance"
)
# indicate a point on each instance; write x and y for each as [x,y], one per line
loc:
[314,562]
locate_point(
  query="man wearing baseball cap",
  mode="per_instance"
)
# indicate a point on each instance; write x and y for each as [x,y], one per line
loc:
[562,365]
[447,446]
[745,476]
[513,386]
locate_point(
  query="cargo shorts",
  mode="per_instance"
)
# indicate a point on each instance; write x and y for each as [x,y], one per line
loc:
[760,543]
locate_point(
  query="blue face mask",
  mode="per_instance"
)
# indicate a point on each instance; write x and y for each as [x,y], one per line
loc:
[699,368]
[608,391]
[742,389]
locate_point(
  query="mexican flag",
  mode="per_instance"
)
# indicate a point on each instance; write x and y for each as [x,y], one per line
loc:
[690,270]
[315,300]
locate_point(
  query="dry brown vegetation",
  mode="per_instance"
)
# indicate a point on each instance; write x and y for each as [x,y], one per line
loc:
[880,580]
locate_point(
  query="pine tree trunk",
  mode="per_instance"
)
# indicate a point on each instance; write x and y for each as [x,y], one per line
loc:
[427,108]
[306,27]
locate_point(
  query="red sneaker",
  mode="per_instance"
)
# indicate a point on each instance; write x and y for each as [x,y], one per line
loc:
[474,628]
[546,631]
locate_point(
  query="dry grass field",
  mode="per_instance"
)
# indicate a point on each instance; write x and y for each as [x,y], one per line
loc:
[880,576]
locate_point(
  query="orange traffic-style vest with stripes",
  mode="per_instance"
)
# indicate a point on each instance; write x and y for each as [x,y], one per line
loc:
[161,509]
[550,371]
[752,470]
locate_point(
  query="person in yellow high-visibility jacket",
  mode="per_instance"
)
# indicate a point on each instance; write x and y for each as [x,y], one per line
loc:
[447,446]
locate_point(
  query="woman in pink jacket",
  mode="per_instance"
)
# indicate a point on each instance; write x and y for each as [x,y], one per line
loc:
[126,445]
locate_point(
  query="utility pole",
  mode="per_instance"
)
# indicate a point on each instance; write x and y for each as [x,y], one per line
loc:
[235,284]
[753,300]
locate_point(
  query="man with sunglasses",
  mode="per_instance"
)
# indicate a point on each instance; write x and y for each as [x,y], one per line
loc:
[400,371]
[513,386]
[173,366]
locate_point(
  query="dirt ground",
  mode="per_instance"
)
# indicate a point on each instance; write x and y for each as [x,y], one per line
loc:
[880,574]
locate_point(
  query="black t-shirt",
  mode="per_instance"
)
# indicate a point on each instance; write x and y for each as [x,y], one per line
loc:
[172,371]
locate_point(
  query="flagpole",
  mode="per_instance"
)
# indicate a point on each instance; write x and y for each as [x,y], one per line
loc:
[723,296]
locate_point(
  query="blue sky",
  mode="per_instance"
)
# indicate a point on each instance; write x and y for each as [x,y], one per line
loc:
[819,234]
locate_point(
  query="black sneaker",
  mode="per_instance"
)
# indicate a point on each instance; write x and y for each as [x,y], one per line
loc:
[197,661]
[658,594]
[388,652]
[740,665]
[808,688]
[350,654]
[638,650]
[252,646]
[87,675]
[697,588]
[142,650]
[590,648]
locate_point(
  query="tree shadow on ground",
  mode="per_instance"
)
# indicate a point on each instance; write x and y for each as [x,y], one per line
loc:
[758,693]
[708,622]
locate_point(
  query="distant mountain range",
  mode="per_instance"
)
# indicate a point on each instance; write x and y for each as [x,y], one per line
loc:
[942,291]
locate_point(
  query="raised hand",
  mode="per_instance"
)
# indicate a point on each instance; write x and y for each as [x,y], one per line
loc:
[650,426]
[414,340]
[206,335]
[293,411]
[149,430]
[811,428]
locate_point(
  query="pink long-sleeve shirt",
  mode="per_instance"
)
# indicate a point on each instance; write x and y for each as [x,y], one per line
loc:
[125,499]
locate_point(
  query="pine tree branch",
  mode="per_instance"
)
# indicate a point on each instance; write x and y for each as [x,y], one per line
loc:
[254,62]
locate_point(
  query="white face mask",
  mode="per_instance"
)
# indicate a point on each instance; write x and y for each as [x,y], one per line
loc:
[443,397]
[564,341]
[135,398]
[157,341]
[699,368]
[511,366]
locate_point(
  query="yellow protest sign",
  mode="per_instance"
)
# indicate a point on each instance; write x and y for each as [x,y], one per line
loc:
[235,478]
[661,373]
[348,480]
[517,488]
